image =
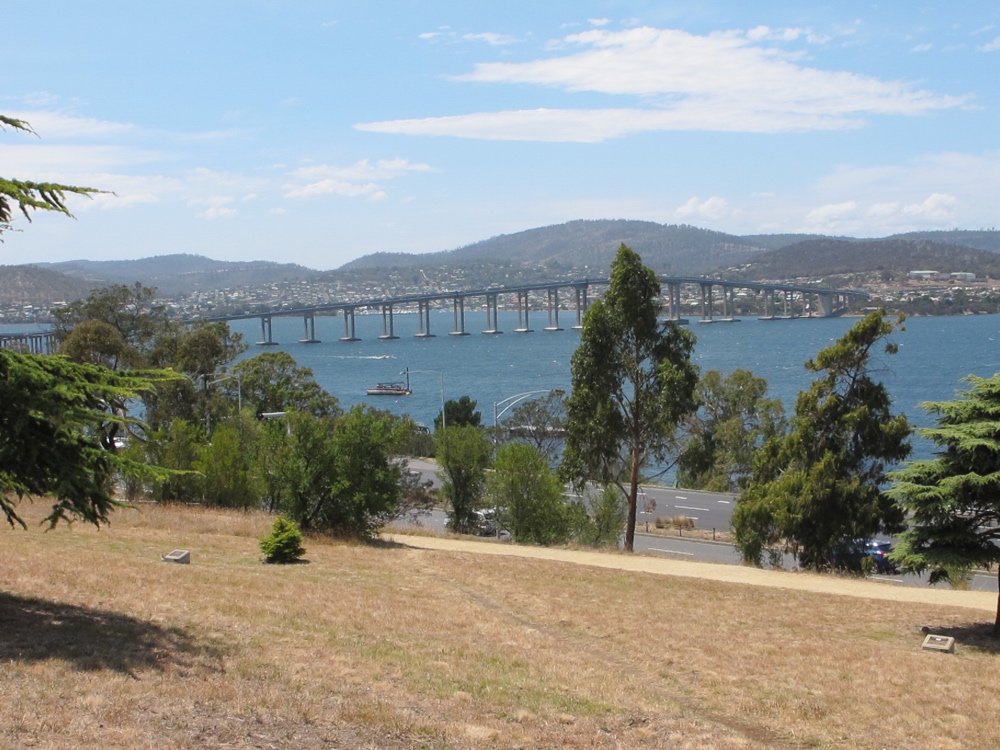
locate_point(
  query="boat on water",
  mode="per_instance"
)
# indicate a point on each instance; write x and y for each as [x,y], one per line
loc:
[392,389]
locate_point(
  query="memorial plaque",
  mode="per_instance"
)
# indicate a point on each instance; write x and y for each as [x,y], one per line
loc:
[181,556]
[942,643]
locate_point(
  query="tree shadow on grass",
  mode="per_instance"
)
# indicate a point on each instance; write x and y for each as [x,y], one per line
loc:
[977,636]
[91,639]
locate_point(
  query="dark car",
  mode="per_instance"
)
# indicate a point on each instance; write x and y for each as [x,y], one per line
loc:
[865,555]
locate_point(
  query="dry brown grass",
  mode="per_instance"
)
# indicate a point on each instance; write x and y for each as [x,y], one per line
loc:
[386,646]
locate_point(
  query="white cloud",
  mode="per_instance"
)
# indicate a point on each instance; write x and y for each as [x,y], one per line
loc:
[825,217]
[712,209]
[492,39]
[991,46]
[923,47]
[217,207]
[362,178]
[937,206]
[724,81]
[598,21]
[49,124]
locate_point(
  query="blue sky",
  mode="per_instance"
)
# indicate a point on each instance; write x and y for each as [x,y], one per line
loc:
[317,132]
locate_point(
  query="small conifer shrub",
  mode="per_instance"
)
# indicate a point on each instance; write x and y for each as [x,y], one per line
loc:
[284,545]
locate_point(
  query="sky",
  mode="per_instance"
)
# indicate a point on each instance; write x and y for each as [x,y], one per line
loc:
[316,132]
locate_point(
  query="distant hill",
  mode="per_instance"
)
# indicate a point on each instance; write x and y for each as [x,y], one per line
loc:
[981,239]
[675,249]
[666,248]
[181,273]
[828,257]
[30,285]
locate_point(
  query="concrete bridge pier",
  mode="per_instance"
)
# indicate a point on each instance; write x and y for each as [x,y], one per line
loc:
[553,310]
[265,332]
[388,324]
[492,322]
[349,330]
[729,305]
[523,326]
[309,323]
[706,303]
[825,304]
[581,304]
[424,314]
[458,306]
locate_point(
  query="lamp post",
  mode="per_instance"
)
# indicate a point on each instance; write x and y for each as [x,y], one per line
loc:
[511,401]
[239,386]
[440,374]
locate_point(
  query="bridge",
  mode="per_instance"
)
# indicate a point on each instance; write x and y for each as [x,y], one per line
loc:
[778,302]
[38,342]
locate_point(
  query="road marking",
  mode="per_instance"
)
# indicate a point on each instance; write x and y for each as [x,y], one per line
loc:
[671,551]
[726,502]
[688,507]
[678,497]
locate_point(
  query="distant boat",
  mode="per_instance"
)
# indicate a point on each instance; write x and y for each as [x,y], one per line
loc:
[392,389]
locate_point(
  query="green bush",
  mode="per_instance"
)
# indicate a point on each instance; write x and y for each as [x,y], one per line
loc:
[284,545]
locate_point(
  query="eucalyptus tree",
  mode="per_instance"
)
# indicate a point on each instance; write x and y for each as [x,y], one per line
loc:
[733,420]
[953,499]
[526,496]
[464,454]
[820,487]
[633,383]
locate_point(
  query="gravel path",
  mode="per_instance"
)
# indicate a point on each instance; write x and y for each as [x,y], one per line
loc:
[822,584]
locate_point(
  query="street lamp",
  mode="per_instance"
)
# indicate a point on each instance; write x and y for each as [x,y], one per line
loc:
[239,386]
[440,374]
[512,400]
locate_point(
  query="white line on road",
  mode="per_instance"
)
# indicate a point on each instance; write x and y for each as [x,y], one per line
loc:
[678,497]
[688,507]
[671,551]
[725,502]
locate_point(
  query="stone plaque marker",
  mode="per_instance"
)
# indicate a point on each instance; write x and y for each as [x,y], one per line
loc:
[943,643]
[181,556]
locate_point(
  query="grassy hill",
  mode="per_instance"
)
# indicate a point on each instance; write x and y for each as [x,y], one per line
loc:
[391,646]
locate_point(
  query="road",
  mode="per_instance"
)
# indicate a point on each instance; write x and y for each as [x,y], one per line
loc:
[708,510]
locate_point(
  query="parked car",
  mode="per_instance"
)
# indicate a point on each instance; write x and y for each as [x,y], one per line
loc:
[864,555]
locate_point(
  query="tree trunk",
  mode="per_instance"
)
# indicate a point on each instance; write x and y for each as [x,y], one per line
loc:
[996,620]
[633,494]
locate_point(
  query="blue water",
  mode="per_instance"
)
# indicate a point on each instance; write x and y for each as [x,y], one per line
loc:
[934,354]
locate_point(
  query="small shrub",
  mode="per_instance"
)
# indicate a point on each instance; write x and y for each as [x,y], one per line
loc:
[284,545]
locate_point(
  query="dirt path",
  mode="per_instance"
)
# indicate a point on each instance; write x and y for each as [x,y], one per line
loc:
[822,584]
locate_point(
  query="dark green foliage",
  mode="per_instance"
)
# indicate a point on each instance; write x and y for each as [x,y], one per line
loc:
[633,383]
[56,441]
[272,382]
[334,475]
[733,420]
[953,500]
[460,413]
[284,544]
[598,519]
[820,486]
[528,496]
[227,464]
[464,454]
[128,311]
[178,448]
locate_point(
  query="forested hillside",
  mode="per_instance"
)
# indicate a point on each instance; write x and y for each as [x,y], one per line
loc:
[827,257]
[29,285]
[673,249]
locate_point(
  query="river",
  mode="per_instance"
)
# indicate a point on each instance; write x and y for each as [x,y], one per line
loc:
[934,355]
